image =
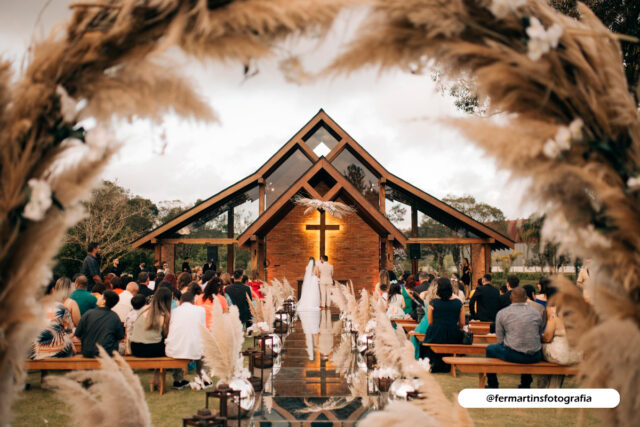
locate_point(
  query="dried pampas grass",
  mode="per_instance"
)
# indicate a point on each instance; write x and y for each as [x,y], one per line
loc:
[223,344]
[336,209]
[397,413]
[101,404]
[363,315]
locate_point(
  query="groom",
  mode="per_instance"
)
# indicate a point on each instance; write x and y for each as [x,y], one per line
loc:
[325,273]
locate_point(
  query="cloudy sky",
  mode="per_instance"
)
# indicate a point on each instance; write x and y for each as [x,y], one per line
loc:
[395,116]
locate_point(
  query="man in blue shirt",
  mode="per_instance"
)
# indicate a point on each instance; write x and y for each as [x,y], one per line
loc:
[518,331]
[91,265]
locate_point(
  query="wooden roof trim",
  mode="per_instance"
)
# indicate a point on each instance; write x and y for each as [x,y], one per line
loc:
[183,217]
[312,191]
[341,184]
[503,240]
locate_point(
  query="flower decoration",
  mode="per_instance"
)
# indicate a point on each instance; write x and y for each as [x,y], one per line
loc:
[563,139]
[385,372]
[39,200]
[68,105]
[541,41]
[634,183]
[502,8]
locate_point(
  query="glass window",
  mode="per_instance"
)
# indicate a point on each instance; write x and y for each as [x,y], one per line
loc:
[286,175]
[321,139]
[246,212]
[358,174]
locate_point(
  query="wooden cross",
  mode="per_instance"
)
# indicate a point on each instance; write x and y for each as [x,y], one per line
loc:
[323,374]
[322,227]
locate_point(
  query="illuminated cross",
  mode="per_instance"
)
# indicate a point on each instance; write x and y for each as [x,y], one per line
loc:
[322,228]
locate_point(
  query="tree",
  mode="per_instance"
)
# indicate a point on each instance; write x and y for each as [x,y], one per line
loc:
[114,219]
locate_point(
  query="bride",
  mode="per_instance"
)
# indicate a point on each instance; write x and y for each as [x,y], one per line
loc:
[310,298]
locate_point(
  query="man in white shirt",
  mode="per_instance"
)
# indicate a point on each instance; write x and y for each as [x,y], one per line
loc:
[184,340]
[123,307]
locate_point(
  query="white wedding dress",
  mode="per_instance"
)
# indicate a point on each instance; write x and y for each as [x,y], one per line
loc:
[310,298]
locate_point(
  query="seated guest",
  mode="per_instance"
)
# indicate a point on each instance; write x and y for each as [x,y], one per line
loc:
[137,303]
[512,283]
[98,289]
[446,320]
[116,285]
[255,284]
[485,301]
[544,284]
[212,292]
[143,284]
[531,299]
[395,304]
[152,280]
[82,296]
[55,340]
[518,329]
[184,279]
[458,289]
[383,282]
[184,340]
[409,285]
[422,327]
[100,326]
[123,307]
[238,294]
[503,289]
[62,285]
[555,347]
[424,282]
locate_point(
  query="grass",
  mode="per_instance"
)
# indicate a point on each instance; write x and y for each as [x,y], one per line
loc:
[38,407]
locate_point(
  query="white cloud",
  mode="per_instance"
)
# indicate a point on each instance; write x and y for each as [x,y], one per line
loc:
[395,116]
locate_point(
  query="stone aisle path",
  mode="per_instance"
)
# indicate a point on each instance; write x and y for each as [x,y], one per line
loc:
[307,380]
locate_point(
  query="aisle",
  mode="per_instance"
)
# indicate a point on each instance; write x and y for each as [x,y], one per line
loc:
[308,380]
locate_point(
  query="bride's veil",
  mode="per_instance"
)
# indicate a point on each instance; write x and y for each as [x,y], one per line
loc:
[309,270]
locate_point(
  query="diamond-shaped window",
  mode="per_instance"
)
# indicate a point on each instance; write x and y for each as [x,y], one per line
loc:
[322,149]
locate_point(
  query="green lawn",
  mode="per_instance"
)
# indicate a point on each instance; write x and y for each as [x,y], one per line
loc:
[38,407]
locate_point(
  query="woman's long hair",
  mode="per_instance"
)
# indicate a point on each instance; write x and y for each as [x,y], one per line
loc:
[160,308]
[213,288]
[62,289]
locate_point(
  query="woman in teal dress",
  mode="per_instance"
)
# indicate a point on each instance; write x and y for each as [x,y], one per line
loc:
[421,329]
[409,285]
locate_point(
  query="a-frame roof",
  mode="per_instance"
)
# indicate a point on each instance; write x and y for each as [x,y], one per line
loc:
[341,189]
[435,208]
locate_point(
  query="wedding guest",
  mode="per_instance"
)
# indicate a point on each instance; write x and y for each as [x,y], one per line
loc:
[395,304]
[98,289]
[137,303]
[143,284]
[108,281]
[409,285]
[555,346]
[159,277]
[503,289]
[518,329]
[140,268]
[226,279]
[209,266]
[186,266]
[184,340]
[531,299]
[512,283]
[446,320]
[152,280]
[545,287]
[173,280]
[383,282]
[238,294]
[184,279]
[91,266]
[123,307]
[82,296]
[255,284]
[424,282]
[485,301]
[64,286]
[458,290]
[100,326]
[114,268]
[466,271]
[212,292]
[116,285]
[55,341]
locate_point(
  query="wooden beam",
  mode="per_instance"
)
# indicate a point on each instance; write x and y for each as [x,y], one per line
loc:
[448,240]
[383,197]
[414,222]
[200,241]
[312,191]
[231,256]
[261,196]
[332,192]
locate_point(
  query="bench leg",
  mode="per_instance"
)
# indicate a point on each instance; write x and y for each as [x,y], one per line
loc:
[163,379]
[482,377]
[453,368]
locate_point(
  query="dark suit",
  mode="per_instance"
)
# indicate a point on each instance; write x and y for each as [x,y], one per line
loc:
[488,299]
[505,300]
[238,294]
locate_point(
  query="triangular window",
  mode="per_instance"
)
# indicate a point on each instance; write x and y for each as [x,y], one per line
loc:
[322,149]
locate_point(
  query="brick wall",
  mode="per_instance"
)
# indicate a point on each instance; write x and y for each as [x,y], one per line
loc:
[353,250]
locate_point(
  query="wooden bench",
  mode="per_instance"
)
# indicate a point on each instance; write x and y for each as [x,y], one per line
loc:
[478,327]
[407,324]
[483,366]
[419,336]
[485,338]
[456,349]
[79,363]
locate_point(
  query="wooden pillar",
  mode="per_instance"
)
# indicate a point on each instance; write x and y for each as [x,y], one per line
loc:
[261,196]
[414,233]
[168,255]
[157,254]
[254,253]
[231,256]
[480,261]
[261,258]
[383,195]
[389,250]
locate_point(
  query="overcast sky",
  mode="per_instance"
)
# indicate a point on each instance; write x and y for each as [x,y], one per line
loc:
[395,116]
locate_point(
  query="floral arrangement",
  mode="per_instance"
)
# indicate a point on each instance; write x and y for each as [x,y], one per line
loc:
[384,372]
[336,209]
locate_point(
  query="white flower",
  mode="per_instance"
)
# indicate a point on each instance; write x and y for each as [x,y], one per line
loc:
[68,105]
[634,183]
[540,40]
[501,8]
[551,149]
[563,138]
[424,362]
[385,372]
[39,200]
[575,127]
